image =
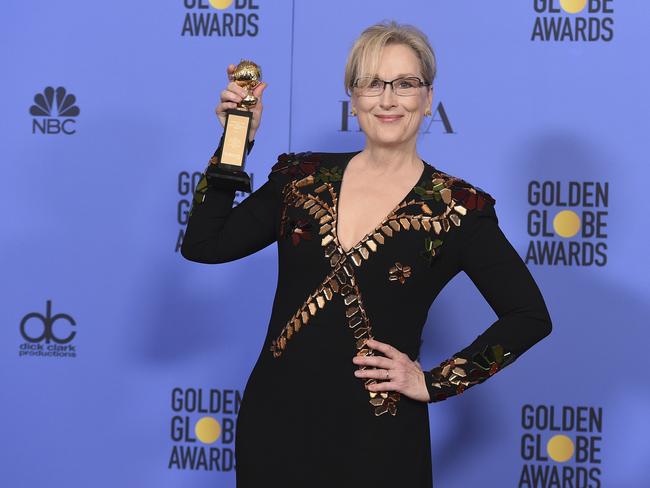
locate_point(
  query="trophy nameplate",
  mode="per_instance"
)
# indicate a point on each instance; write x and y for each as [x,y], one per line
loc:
[227,168]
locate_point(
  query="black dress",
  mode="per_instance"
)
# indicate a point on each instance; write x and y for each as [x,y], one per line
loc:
[305,419]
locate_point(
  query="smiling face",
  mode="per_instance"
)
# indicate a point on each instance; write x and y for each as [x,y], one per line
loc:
[389,119]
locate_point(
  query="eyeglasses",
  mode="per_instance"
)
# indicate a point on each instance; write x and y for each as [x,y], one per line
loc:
[368,86]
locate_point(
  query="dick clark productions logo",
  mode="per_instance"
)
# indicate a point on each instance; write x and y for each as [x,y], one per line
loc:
[42,338]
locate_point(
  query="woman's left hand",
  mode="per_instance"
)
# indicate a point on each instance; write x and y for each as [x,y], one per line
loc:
[404,376]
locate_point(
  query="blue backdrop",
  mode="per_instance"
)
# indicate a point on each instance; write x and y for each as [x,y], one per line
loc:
[122,364]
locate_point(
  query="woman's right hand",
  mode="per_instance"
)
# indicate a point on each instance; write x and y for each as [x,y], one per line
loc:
[233,94]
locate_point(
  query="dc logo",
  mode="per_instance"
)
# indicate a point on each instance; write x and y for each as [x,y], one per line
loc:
[46,326]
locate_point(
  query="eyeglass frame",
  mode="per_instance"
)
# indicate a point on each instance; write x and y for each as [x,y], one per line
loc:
[383,89]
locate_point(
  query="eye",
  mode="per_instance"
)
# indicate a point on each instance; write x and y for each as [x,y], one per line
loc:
[374,83]
[408,83]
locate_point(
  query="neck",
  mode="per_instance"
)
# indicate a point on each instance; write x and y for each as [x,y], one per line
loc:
[388,158]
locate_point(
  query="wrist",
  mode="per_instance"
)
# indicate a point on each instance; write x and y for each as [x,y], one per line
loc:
[428,383]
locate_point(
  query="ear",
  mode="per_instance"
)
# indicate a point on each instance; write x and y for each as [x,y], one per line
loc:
[430,97]
[353,101]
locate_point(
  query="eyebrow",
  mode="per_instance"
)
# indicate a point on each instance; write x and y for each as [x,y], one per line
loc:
[403,75]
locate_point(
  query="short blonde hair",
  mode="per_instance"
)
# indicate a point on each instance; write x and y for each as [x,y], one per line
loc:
[366,51]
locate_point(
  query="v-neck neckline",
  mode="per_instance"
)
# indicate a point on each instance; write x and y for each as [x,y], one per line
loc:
[339,184]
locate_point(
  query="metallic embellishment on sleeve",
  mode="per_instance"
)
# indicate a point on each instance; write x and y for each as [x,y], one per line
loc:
[399,272]
[455,375]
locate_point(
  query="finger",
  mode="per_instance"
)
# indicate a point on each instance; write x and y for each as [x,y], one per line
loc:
[387,349]
[379,374]
[259,89]
[257,108]
[229,96]
[376,361]
[383,386]
[235,88]
[230,70]
[222,107]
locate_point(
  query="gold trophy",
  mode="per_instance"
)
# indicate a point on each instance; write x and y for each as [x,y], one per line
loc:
[227,164]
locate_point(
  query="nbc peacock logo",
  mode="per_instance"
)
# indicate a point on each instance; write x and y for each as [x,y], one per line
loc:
[573,21]
[54,112]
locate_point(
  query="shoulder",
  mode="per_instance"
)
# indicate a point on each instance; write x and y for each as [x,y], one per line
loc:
[296,164]
[458,191]
[325,166]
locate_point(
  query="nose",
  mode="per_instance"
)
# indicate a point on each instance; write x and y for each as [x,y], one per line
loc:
[387,99]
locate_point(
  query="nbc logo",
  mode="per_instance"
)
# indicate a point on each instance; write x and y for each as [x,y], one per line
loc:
[53,112]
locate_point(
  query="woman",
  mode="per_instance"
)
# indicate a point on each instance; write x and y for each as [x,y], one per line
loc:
[366,241]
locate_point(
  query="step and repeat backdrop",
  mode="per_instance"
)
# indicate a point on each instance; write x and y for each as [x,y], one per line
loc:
[123,364]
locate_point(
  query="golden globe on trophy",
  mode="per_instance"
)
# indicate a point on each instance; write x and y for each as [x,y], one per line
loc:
[227,165]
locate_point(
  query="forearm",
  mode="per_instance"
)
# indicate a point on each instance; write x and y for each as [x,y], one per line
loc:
[505,282]
[217,232]
[499,346]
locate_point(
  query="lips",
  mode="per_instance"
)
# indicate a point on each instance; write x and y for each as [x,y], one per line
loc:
[388,118]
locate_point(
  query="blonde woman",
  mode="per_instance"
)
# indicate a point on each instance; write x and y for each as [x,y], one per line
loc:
[366,241]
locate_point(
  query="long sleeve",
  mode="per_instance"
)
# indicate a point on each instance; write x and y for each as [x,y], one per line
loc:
[499,273]
[217,232]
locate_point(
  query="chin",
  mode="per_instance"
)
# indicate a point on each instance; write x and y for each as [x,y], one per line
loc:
[385,138]
[392,141]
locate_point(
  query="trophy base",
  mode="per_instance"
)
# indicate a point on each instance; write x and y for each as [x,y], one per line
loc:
[228,179]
